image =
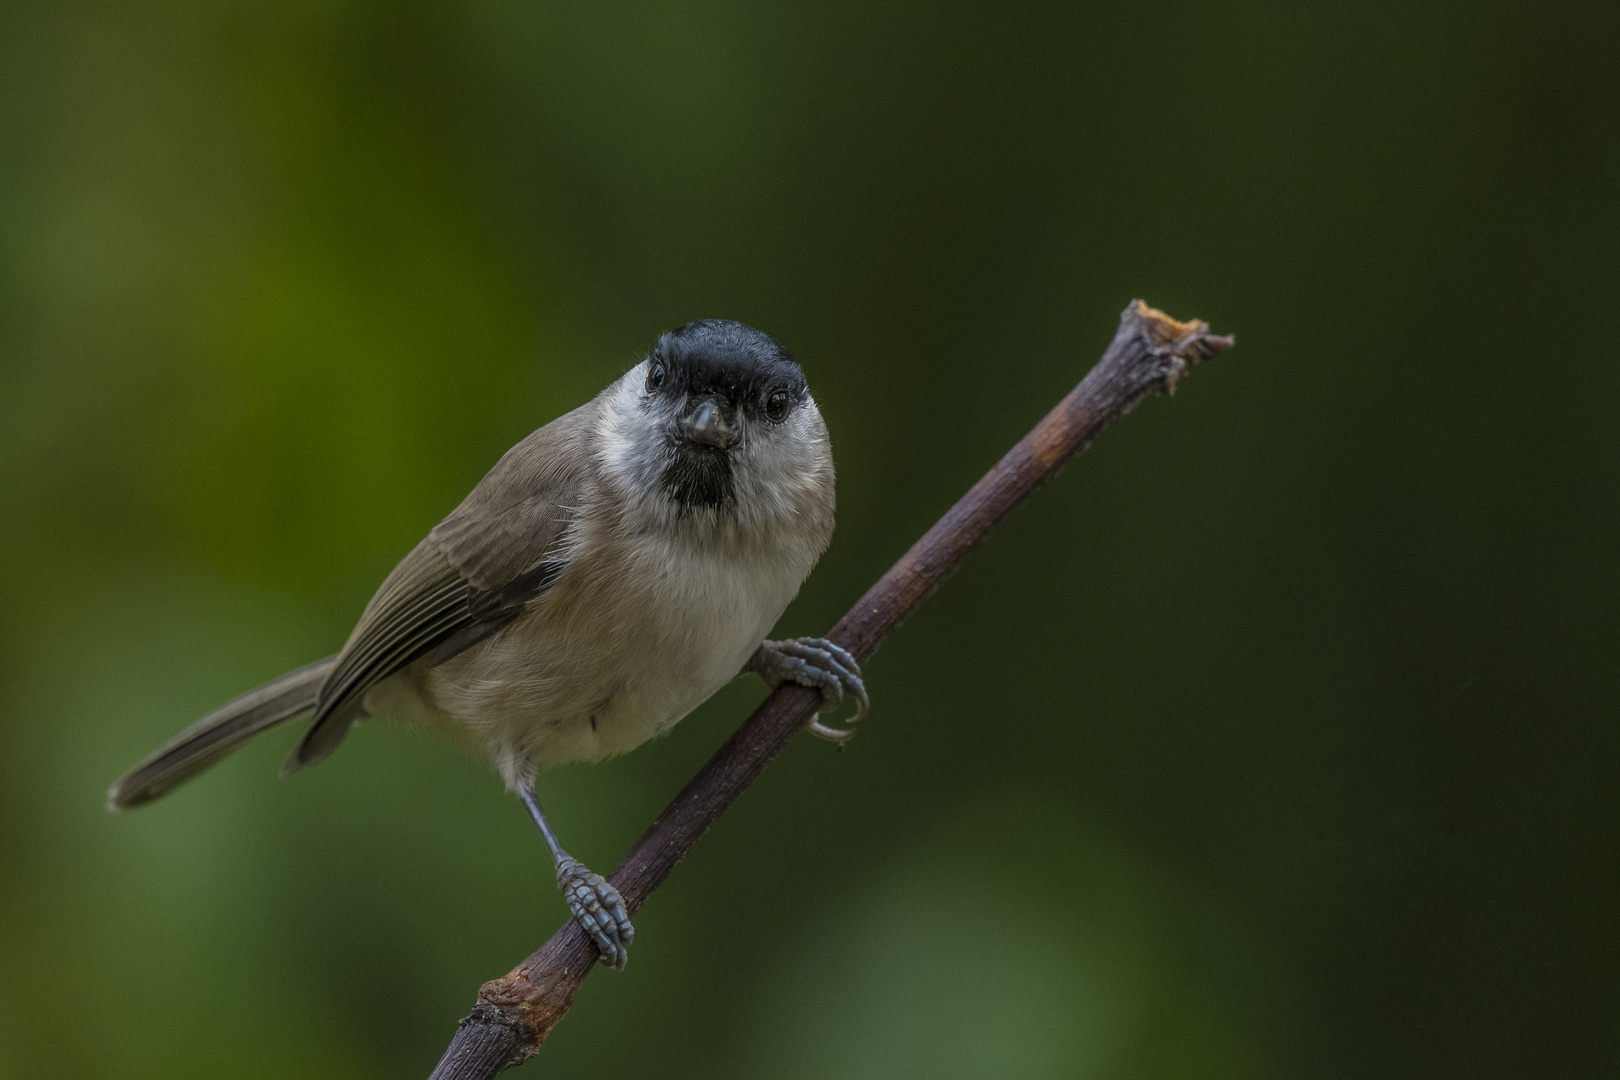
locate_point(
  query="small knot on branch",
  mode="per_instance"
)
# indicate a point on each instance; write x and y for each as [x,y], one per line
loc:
[487,1041]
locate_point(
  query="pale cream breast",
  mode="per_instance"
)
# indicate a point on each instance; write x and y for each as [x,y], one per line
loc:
[634,636]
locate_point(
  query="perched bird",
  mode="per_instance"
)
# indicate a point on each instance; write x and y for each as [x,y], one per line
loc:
[609,574]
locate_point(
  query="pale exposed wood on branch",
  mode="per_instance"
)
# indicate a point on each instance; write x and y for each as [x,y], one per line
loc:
[1149,353]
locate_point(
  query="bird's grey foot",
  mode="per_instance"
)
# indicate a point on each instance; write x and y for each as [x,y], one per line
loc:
[599,909]
[821,665]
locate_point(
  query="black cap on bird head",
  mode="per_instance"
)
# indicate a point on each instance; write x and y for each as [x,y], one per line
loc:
[719,378]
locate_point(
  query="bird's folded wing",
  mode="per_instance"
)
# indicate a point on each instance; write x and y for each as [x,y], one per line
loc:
[473,573]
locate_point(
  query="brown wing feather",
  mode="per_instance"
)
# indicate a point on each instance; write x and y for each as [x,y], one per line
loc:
[519,513]
[469,576]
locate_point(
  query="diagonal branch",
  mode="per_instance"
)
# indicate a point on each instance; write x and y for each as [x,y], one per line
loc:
[1149,353]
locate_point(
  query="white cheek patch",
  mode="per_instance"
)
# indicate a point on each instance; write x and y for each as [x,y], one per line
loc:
[628,444]
[787,459]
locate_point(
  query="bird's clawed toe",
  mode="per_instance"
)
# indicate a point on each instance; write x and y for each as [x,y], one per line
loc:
[600,910]
[821,665]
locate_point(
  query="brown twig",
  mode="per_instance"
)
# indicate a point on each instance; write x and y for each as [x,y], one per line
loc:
[1149,353]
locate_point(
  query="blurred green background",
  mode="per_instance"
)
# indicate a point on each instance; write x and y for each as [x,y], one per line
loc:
[1276,739]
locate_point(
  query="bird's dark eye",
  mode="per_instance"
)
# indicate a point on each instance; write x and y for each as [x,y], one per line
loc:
[777,405]
[655,376]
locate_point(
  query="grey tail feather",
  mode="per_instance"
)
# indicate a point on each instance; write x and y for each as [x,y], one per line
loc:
[216,735]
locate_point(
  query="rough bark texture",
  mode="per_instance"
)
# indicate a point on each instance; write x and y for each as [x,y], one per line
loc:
[1149,353]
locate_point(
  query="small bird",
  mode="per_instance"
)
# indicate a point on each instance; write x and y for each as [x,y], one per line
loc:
[609,574]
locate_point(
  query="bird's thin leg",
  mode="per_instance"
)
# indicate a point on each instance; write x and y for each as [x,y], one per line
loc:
[821,665]
[595,903]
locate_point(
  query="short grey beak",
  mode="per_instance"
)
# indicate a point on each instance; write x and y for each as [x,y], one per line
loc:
[707,424]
